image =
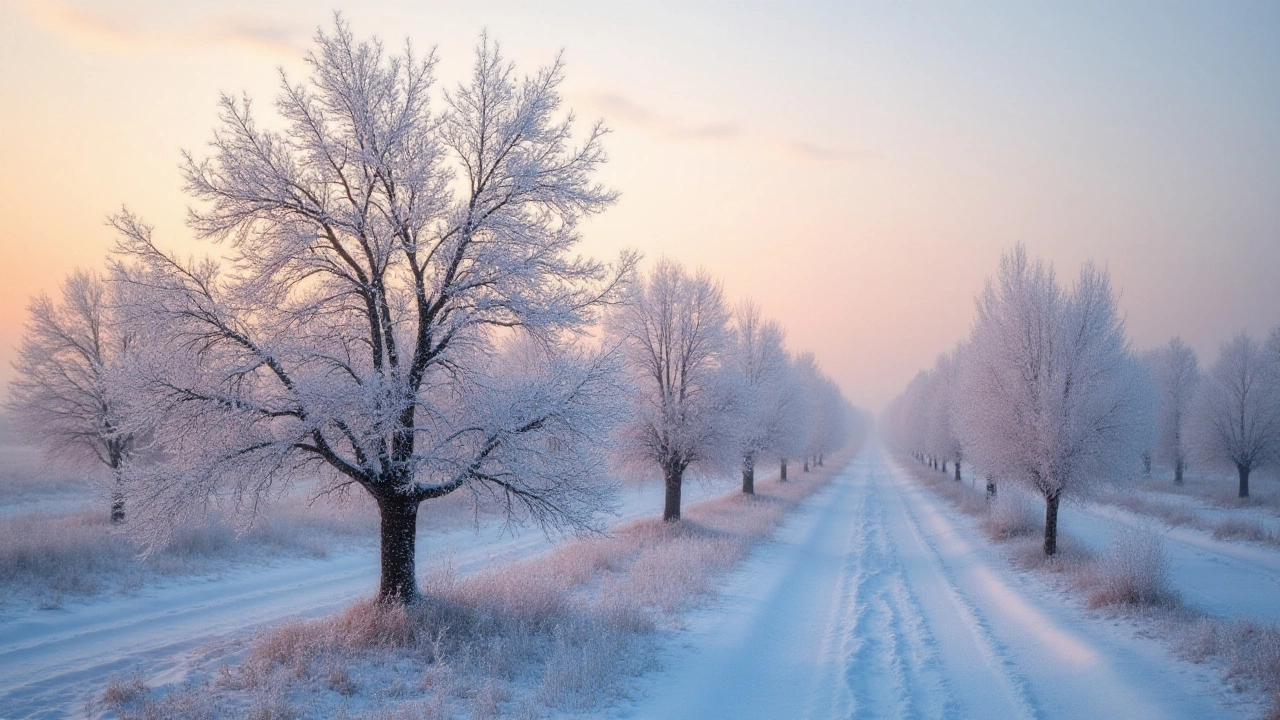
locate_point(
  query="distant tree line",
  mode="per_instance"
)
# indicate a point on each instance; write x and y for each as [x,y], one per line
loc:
[1047,392]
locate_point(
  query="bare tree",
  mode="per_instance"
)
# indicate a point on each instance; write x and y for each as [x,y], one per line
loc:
[400,308]
[684,412]
[64,396]
[1052,397]
[1238,411]
[1177,375]
[759,358]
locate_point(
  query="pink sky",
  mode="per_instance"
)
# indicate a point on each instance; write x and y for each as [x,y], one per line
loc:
[856,169]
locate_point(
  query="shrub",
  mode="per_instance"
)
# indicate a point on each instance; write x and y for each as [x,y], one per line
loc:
[1134,571]
[123,691]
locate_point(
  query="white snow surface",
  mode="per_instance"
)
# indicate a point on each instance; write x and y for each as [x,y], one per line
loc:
[877,600]
[1223,578]
[874,600]
[53,661]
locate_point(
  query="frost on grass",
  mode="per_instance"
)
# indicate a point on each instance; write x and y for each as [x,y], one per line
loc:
[1244,529]
[47,558]
[1249,650]
[1010,516]
[564,632]
[1134,571]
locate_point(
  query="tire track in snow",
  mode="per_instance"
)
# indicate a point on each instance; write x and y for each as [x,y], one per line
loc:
[905,646]
[892,670]
[1070,665]
[995,688]
[881,603]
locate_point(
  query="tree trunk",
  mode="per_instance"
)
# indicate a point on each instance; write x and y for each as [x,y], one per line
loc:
[117,495]
[957,471]
[399,531]
[748,476]
[671,509]
[1146,464]
[819,459]
[1243,470]
[782,476]
[806,464]
[991,489]
[944,467]
[1051,524]
[1178,467]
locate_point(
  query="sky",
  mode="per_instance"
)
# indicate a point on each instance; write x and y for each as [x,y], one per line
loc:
[855,168]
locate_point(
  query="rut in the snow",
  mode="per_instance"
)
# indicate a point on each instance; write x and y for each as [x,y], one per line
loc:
[885,662]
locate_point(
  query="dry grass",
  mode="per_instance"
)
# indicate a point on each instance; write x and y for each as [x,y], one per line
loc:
[124,691]
[1250,652]
[1231,528]
[1009,516]
[1140,504]
[1245,529]
[563,631]
[1133,572]
[47,558]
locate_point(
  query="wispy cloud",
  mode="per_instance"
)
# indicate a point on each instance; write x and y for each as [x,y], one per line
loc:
[617,106]
[620,109]
[128,27]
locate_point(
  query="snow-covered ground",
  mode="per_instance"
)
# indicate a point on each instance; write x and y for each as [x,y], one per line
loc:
[53,661]
[878,600]
[1224,578]
[875,599]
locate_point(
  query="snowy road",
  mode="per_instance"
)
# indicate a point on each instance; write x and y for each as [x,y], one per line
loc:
[878,601]
[53,661]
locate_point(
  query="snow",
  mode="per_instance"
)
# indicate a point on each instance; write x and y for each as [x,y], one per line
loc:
[53,661]
[876,600]
[1223,578]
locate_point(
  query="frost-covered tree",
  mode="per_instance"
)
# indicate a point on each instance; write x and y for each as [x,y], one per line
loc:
[831,420]
[1051,395]
[401,309]
[830,417]
[685,408]
[942,439]
[65,397]
[903,419]
[1176,372]
[795,416]
[758,358]
[1238,409]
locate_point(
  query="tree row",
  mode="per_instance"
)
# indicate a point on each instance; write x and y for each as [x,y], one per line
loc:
[1047,392]
[399,308]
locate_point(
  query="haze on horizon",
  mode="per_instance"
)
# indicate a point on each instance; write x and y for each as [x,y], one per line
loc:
[857,169]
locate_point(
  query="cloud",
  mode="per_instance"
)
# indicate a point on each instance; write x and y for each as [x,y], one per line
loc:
[129,27]
[622,109]
[618,106]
